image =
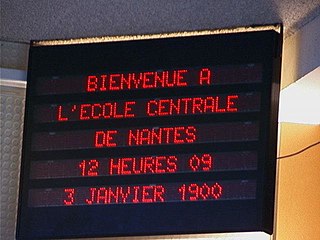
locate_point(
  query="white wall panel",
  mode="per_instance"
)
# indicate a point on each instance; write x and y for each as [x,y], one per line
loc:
[11,117]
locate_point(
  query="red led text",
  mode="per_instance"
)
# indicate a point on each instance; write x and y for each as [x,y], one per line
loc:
[143,165]
[144,80]
[60,117]
[144,193]
[106,110]
[69,197]
[105,139]
[94,111]
[162,135]
[89,167]
[129,194]
[201,163]
[195,192]
[148,108]
[192,105]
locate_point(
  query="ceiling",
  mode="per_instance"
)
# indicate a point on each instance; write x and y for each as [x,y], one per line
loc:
[22,21]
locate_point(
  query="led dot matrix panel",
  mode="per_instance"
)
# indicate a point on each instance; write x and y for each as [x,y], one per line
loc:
[150,137]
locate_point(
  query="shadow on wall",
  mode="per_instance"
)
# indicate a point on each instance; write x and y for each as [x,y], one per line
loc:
[301,53]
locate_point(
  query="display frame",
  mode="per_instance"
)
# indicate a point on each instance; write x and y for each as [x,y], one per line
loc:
[263,47]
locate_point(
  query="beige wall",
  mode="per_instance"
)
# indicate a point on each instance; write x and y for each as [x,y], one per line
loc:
[298,213]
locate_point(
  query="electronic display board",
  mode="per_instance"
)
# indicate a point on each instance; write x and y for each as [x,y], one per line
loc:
[150,137]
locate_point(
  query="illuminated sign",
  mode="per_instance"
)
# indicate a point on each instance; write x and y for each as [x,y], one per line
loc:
[150,137]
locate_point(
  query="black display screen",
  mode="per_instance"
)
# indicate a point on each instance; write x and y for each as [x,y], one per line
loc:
[150,137]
